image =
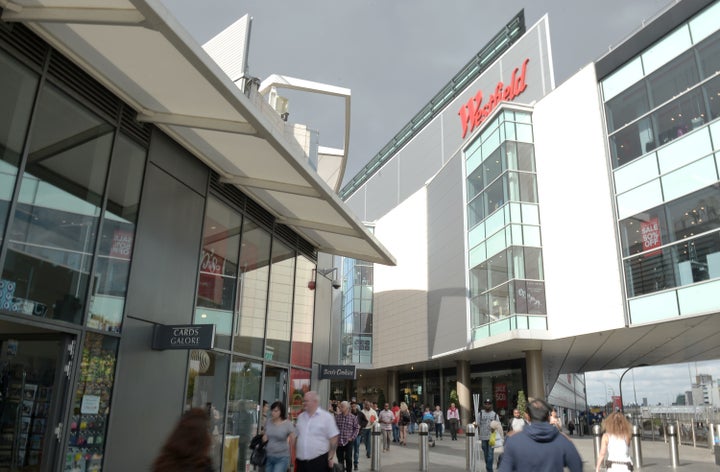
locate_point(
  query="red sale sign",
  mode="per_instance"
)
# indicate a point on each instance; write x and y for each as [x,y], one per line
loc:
[651,236]
[501,395]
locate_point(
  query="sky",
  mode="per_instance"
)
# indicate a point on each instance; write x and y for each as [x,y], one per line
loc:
[395,55]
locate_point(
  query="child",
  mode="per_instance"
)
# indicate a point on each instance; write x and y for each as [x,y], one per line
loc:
[498,449]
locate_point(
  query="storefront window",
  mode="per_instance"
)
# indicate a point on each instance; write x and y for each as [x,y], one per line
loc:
[91,403]
[218,270]
[17,89]
[52,237]
[243,412]
[253,287]
[303,310]
[282,281]
[501,386]
[207,386]
[299,385]
[117,236]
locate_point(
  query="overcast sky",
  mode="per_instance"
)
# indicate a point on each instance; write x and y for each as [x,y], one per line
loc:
[395,55]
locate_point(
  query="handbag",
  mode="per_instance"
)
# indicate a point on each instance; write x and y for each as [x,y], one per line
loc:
[258,456]
[492,439]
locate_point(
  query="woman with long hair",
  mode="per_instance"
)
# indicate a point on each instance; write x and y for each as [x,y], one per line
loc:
[279,433]
[616,444]
[403,422]
[188,446]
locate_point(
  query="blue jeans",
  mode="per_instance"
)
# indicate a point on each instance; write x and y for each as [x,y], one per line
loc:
[395,432]
[488,452]
[277,463]
[365,434]
[356,448]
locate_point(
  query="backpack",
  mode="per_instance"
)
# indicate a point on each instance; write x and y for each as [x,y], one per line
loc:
[404,418]
[362,419]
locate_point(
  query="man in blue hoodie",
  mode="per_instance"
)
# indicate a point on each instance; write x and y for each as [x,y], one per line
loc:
[539,447]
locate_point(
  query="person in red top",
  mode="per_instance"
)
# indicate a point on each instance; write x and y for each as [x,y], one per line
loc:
[395,428]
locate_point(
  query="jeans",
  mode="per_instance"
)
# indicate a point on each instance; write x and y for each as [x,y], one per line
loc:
[412,427]
[277,463]
[438,430]
[356,448]
[365,433]
[488,452]
[395,432]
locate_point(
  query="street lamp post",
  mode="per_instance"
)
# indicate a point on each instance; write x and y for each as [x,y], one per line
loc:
[622,403]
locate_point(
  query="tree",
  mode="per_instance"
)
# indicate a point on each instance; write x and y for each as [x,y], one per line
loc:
[522,402]
[454,397]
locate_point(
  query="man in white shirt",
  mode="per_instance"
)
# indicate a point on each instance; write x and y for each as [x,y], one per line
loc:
[317,436]
[371,416]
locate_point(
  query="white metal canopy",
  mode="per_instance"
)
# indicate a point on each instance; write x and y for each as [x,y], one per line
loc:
[141,53]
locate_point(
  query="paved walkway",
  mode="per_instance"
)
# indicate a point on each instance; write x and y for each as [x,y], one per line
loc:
[449,456]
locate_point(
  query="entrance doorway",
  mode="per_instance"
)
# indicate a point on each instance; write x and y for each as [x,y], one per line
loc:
[33,388]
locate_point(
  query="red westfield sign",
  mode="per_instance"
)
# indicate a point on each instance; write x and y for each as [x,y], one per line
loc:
[473,113]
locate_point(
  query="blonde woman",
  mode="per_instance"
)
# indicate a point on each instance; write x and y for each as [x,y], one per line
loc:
[403,422]
[616,444]
[498,449]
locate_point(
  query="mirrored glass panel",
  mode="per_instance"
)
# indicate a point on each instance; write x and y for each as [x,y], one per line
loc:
[17,90]
[243,412]
[280,303]
[54,228]
[253,289]
[303,310]
[117,236]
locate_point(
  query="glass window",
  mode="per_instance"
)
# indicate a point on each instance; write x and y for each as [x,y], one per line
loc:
[252,296]
[646,231]
[711,90]
[533,263]
[672,79]
[52,237]
[475,182]
[529,297]
[637,172]
[17,89]
[303,310]
[666,49]
[622,78]
[498,270]
[495,195]
[679,117]
[709,55]
[627,107]
[218,270]
[117,236]
[207,388]
[632,141]
[651,272]
[525,157]
[694,214]
[705,24]
[499,299]
[299,386]
[639,199]
[94,386]
[282,281]
[243,408]
[688,178]
[492,166]
[476,211]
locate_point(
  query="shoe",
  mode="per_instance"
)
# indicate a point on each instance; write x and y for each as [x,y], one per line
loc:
[356,468]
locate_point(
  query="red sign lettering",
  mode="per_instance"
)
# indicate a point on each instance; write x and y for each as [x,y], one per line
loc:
[651,236]
[473,113]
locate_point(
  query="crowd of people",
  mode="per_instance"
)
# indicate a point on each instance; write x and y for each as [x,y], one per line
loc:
[322,439]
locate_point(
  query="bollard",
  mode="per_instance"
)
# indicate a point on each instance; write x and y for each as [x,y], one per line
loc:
[673,440]
[470,448]
[637,450]
[711,436]
[597,440]
[423,447]
[376,446]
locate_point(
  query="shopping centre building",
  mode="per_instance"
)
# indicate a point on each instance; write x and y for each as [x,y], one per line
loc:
[159,229]
[544,231]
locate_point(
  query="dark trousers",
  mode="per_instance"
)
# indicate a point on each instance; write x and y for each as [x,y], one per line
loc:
[438,430]
[345,455]
[318,464]
[453,429]
[365,433]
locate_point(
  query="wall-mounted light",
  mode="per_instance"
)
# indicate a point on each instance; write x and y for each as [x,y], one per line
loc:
[325,273]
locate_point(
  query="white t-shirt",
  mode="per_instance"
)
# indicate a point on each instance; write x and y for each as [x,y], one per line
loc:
[314,434]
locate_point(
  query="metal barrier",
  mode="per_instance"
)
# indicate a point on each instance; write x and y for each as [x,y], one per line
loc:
[636,446]
[470,448]
[597,439]
[673,440]
[376,446]
[423,447]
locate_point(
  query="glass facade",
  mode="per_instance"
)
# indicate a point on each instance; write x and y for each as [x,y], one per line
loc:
[504,245]
[252,285]
[662,113]
[357,312]
[72,165]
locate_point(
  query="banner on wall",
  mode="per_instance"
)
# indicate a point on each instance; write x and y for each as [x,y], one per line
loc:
[651,236]
[501,395]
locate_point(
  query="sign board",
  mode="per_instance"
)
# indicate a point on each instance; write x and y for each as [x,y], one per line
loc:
[335,372]
[183,337]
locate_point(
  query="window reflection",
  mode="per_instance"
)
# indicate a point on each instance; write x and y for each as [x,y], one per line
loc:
[17,89]
[252,291]
[282,281]
[218,270]
[299,386]
[243,410]
[52,237]
[303,309]
[117,236]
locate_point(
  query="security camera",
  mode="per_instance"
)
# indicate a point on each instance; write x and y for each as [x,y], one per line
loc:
[336,284]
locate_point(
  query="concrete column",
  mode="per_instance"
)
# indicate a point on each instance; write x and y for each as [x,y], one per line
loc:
[393,387]
[535,383]
[467,415]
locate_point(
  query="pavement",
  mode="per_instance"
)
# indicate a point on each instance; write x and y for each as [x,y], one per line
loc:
[449,456]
